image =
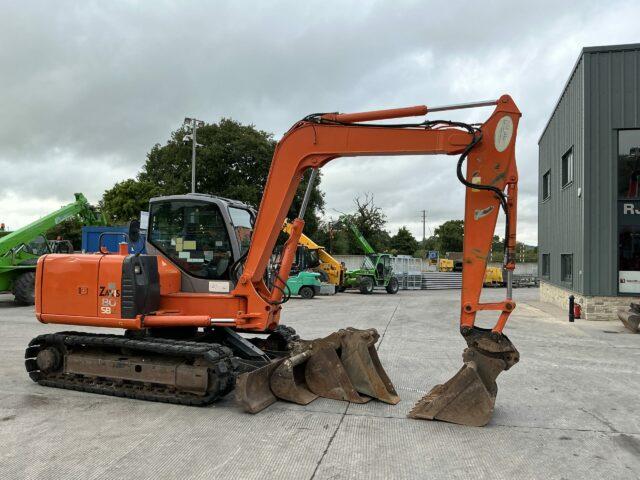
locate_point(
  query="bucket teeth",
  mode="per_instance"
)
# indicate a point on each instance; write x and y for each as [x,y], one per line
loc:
[468,398]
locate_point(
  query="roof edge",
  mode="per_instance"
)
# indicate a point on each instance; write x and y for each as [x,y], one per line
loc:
[594,49]
[611,48]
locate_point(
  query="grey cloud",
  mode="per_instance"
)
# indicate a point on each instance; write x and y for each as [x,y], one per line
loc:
[88,87]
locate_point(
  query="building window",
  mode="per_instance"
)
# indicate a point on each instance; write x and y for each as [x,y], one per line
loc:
[629,164]
[628,212]
[567,168]
[546,265]
[629,259]
[566,267]
[546,185]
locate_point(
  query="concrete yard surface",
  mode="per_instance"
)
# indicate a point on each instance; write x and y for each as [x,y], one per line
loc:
[569,410]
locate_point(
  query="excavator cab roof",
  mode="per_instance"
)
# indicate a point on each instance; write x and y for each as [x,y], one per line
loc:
[204,197]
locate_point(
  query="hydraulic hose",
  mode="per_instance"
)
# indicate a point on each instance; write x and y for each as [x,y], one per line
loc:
[430,125]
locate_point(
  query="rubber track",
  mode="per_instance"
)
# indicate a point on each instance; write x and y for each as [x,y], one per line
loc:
[223,366]
[288,334]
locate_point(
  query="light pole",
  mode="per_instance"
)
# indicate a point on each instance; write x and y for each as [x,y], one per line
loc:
[193,123]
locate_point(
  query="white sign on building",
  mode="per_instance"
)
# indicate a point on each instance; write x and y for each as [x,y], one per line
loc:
[628,281]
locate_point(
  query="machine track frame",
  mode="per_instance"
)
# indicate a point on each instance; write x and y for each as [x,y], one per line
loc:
[47,370]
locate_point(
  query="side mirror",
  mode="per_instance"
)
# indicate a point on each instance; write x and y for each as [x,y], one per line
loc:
[134,231]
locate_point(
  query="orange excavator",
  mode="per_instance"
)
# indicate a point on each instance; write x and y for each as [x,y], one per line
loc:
[190,306]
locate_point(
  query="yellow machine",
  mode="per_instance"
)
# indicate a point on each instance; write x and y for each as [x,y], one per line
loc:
[333,268]
[493,277]
[445,265]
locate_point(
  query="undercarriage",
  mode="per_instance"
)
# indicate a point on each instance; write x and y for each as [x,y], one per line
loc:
[203,366]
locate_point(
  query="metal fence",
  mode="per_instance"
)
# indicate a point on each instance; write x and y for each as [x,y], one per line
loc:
[408,271]
[415,273]
[441,280]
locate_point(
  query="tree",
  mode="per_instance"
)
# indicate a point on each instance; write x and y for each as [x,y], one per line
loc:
[126,199]
[403,242]
[333,237]
[450,235]
[496,253]
[430,243]
[371,221]
[232,162]
[70,229]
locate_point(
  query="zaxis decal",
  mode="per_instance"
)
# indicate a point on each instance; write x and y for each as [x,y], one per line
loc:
[108,292]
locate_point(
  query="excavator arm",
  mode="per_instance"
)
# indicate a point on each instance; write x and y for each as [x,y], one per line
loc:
[491,180]
[490,183]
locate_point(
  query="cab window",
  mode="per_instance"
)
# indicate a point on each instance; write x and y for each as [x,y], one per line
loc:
[194,236]
[37,246]
[242,226]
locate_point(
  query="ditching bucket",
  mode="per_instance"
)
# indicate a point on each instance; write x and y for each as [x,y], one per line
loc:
[252,390]
[468,398]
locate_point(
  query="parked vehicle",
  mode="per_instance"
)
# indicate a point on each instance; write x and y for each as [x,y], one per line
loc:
[20,249]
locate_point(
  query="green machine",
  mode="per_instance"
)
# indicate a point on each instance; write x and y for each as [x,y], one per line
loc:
[20,249]
[302,281]
[306,284]
[376,270]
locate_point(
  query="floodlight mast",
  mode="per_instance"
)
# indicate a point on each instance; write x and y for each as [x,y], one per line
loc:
[193,123]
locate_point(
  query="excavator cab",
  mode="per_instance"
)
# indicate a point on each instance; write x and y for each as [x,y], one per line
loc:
[202,235]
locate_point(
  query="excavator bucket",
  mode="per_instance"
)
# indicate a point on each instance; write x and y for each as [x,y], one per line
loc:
[328,378]
[288,381]
[346,366]
[360,359]
[252,390]
[468,398]
[341,366]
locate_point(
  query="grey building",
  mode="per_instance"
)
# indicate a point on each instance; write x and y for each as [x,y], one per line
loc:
[589,185]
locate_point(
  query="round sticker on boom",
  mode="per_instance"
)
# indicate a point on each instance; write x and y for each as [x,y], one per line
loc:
[504,132]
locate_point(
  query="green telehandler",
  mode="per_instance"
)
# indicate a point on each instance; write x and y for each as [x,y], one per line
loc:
[20,249]
[376,270]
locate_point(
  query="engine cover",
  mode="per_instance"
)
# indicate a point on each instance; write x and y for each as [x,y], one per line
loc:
[109,287]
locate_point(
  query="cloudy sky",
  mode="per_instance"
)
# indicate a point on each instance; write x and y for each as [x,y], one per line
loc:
[88,87]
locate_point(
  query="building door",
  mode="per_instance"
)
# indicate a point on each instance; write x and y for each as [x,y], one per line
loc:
[629,211]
